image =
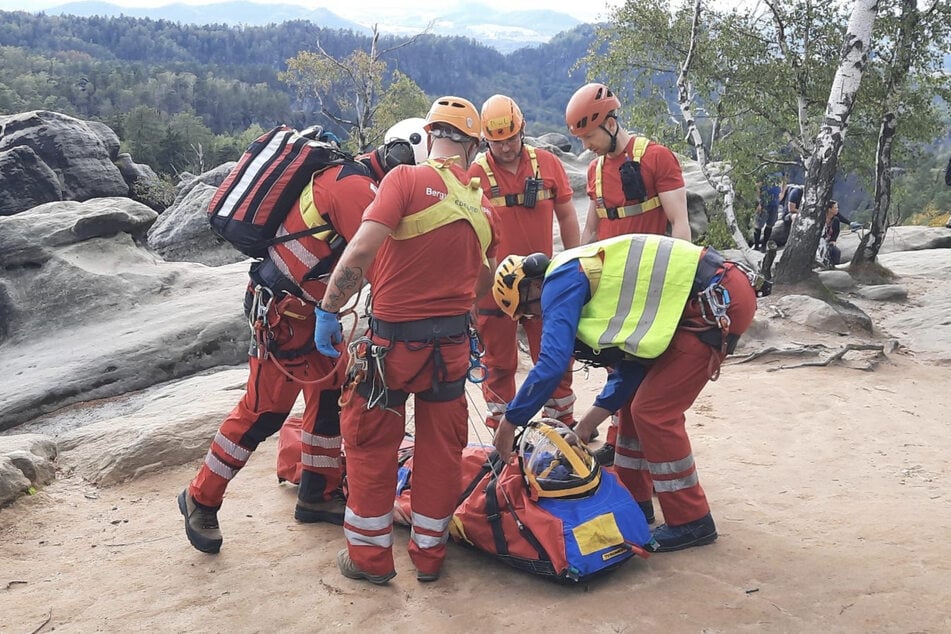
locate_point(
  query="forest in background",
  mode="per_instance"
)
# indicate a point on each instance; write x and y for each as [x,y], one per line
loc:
[161,85]
[187,98]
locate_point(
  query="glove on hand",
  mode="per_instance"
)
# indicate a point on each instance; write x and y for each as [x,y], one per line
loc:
[328,332]
[855,226]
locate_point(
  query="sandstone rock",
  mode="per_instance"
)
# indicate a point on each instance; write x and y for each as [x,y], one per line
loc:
[884,293]
[89,313]
[182,232]
[25,461]
[837,280]
[70,148]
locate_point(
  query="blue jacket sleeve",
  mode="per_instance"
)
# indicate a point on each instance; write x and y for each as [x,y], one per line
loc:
[564,294]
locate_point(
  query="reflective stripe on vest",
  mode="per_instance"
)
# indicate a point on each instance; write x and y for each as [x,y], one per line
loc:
[614,213]
[307,260]
[510,200]
[462,202]
[637,301]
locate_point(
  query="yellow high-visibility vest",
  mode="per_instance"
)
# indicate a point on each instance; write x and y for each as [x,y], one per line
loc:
[640,284]
[462,202]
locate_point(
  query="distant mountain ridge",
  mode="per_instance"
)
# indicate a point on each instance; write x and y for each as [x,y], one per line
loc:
[505,31]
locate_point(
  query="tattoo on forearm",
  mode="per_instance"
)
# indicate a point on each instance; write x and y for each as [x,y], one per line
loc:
[346,281]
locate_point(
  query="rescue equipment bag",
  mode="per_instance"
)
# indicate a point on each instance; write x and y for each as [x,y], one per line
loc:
[289,465]
[554,513]
[262,188]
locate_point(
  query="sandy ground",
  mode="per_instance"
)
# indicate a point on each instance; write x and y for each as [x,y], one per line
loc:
[829,487]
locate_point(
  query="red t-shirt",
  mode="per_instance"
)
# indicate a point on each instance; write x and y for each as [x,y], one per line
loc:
[661,172]
[430,275]
[524,230]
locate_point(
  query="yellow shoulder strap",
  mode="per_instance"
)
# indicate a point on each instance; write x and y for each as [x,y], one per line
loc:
[463,202]
[639,147]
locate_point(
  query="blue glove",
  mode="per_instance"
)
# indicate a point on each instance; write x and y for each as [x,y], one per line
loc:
[328,332]
[855,226]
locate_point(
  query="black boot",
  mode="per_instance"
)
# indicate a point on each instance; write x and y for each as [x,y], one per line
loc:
[311,503]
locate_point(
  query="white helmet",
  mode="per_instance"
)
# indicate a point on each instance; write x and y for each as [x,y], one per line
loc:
[412,131]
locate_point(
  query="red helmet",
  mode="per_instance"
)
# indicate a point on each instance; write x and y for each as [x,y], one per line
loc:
[590,106]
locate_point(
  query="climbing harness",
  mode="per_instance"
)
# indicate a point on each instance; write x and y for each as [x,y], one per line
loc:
[261,302]
[365,372]
[262,335]
[477,372]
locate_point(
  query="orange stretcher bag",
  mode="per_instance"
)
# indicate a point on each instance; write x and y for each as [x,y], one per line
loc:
[553,513]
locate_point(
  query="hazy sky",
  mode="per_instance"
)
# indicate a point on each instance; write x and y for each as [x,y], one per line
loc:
[584,10]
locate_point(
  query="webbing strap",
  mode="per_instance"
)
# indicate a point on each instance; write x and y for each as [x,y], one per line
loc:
[615,213]
[510,200]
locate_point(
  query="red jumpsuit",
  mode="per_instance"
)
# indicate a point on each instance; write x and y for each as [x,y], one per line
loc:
[414,281]
[340,193]
[521,231]
[653,451]
[661,172]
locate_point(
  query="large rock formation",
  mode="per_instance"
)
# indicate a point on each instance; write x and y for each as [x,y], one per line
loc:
[182,232]
[89,313]
[47,156]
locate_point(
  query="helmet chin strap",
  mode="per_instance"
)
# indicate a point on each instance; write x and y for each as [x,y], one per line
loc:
[617,130]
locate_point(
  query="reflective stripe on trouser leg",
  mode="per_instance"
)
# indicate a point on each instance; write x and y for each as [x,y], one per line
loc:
[320,444]
[629,461]
[494,412]
[561,405]
[501,360]
[372,439]
[441,434]
[611,437]
[670,387]
[268,398]
[561,408]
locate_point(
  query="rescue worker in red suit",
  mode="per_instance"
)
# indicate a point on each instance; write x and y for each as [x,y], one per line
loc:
[674,306]
[284,362]
[425,245]
[624,199]
[528,188]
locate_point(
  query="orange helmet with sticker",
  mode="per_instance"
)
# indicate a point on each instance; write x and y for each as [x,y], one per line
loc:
[501,118]
[590,106]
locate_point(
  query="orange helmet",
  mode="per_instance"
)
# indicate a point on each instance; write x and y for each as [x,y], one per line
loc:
[501,118]
[590,105]
[457,112]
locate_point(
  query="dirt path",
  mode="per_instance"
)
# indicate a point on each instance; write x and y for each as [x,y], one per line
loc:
[829,487]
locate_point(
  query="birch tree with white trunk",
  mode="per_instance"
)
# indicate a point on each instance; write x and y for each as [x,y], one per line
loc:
[822,164]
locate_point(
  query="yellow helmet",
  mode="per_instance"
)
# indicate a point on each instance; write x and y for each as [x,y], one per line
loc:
[510,274]
[501,118]
[456,112]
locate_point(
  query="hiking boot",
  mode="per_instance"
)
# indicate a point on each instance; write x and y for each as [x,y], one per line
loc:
[666,539]
[201,524]
[427,577]
[349,570]
[331,510]
[647,508]
[605,455]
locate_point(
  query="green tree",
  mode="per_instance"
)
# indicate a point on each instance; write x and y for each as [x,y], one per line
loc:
[144,136]
[401,100]
[347,91]
[906,74]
